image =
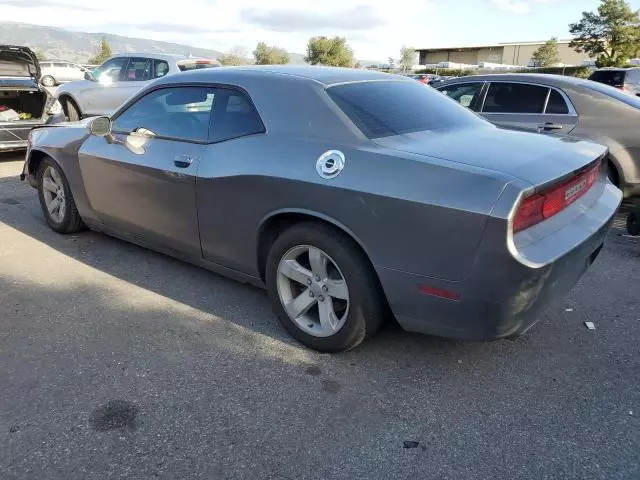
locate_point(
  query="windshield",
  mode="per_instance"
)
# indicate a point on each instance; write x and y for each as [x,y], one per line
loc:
[609,77]
[385,108]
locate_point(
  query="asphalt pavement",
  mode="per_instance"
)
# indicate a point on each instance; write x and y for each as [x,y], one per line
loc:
[120,363]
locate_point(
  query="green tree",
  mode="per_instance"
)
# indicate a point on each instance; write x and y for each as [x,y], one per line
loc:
[102,54]
[270,55]
[407,58]
[329,51]
[611,34]
[234,57]
[40,55]
[547,55]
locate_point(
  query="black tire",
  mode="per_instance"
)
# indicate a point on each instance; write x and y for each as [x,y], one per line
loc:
[48,81]
[366,299]
[72,111]
[633,223]
[613,175]
[71,221]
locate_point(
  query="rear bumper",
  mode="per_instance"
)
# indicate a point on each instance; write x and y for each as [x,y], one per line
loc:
[503,296]
[8,146]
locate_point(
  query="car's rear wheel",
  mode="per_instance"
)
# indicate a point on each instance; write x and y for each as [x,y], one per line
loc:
[323,288]
[633,223]
[56,200]
[48,81]
[72,110]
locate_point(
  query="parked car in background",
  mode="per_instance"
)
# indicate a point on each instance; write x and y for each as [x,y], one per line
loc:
[425,78]
[55,72]
[401,202]
[119,78]
[22,99]
[556,104]
[625,79]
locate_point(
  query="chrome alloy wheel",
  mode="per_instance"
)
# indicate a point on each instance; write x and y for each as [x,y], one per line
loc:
[313,291]
[53,193]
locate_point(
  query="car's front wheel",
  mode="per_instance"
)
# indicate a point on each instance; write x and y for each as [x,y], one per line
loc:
[57,203]
[323,288]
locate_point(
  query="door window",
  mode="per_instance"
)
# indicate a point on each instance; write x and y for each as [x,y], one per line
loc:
[177,113]
[466,94]
[111,68]
[515,98]
[160,68]
[556,104]
[138,70]
[59,65]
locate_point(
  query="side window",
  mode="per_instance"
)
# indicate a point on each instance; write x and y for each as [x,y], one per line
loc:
[234,116]
[111,68]
[515,98]
[466,94]
[59,65]
[179,113]
[160,68]
[633,76]
[556,104]
[138,70]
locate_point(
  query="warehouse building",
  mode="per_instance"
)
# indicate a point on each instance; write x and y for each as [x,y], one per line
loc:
[519,53]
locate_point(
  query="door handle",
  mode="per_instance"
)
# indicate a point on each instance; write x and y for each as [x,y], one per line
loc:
[183,161]
[548,126]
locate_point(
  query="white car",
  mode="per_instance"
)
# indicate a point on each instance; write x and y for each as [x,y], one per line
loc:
[55,72]
[119,78]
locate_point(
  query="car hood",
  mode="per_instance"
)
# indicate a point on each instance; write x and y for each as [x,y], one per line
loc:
[18,62]
[534,158]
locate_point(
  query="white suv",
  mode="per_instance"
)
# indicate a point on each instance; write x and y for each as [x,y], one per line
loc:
[119,78]
[55,72]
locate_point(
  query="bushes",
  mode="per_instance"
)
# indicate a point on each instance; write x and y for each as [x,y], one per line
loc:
[581,72]
[453,72]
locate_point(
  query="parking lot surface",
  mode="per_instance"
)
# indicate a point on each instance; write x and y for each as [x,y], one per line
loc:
[117,362]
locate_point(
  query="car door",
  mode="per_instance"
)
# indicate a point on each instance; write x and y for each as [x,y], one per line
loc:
[136,75]
[141,179]
[100,96]
[527,107]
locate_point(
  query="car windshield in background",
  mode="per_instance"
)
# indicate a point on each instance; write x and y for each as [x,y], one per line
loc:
[630,100]
[386,108]
[610,77]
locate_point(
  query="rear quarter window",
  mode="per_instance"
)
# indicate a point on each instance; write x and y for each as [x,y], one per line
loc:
[386,108]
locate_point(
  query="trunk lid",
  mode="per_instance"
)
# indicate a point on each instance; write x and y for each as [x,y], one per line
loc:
[535,158]
[19,67]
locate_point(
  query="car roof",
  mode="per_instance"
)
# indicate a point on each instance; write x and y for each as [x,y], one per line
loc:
[326,76]
[159,56]
[544,78]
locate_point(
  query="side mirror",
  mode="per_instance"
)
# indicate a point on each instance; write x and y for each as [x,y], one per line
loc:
[88,76]
[100,127]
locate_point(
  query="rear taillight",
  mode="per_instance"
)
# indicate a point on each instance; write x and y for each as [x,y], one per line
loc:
[540,206]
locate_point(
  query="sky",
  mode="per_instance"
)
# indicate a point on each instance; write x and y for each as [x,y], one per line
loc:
[375,29]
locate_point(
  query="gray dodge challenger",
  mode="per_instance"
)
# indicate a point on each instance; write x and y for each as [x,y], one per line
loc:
[351,196]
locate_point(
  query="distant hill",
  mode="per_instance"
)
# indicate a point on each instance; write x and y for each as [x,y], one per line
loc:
[80,46]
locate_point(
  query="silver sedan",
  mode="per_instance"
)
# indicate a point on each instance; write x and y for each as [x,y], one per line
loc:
[351,196]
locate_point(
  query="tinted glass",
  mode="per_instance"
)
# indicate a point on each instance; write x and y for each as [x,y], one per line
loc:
[111,68]
[614,78]
[514,98]
[465,94]
[59,65]
[385,108]
[234,116]
[556,104]
[180,113]
[160,68]
[138,70]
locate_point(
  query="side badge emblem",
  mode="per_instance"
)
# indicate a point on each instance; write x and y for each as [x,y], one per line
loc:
[330,164]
